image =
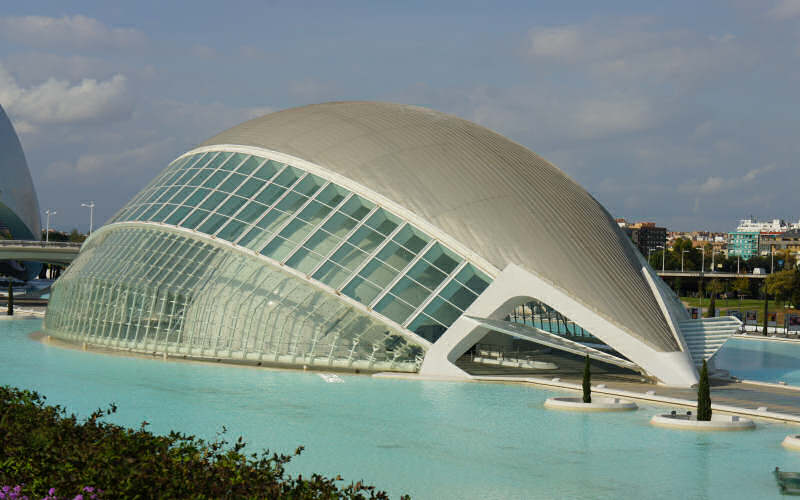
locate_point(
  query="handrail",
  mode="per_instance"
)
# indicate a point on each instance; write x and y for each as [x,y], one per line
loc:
[42,244]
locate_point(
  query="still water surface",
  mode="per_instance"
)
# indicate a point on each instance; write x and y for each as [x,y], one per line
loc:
[433,440]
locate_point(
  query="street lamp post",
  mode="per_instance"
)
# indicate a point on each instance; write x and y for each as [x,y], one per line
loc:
[682,253]
[713,253]
[663,258]
[90,206]
[49,212]
[703,262]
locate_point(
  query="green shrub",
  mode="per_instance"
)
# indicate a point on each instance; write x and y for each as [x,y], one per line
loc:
[42,447]
[704,395]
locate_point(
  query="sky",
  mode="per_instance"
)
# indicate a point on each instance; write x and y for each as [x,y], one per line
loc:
[683,113]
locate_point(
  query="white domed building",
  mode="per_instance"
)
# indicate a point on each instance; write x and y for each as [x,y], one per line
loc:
[370,236]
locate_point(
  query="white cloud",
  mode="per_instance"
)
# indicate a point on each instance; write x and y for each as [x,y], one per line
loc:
[113,165]
[716,184]
[563,42]
[785,9]
[67,31]
[60,102]
[632,52]
[603,117]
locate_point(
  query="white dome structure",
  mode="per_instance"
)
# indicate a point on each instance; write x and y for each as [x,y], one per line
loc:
[366,235]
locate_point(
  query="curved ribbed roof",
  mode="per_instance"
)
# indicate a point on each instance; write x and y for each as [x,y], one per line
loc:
[494,196]
[19,208]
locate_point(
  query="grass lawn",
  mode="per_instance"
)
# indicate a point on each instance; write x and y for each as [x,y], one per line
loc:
[746,304]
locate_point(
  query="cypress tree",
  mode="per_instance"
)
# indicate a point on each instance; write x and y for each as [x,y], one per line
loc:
[587,382]
[10,300]
[703,395]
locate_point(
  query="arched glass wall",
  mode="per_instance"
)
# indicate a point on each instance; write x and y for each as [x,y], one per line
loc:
[319,228]
[160,290]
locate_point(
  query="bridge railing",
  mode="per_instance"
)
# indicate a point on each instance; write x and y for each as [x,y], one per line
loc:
[40,244]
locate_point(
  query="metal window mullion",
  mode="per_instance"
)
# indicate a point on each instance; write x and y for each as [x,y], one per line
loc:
[273,205]
[248,200]
[402,273]
[450,278]
[294,215]
[321,223]
[372,254]
[154,185]
[211,192]
[195,187]
[228,197]
[344,239]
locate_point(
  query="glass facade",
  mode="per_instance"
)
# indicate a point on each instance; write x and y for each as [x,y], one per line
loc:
[282,213]
[153,290]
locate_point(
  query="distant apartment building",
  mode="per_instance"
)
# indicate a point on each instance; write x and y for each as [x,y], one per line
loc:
[753,238]
[646,236]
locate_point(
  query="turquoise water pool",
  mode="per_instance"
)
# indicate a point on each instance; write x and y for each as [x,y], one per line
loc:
[434,440]
[767,361]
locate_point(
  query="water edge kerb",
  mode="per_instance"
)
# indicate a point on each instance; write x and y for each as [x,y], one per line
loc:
[690,422]
[597,404]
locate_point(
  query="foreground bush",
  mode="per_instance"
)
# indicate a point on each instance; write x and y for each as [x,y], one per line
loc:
[49,453]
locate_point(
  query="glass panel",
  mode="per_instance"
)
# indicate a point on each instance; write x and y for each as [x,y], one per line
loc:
[427,328]
[250,165]
[197,197]
[234,161]
[383,222]
[411,292]
[378,273]
[442,258]
[309,185]
[215,179]
[361,290]
[395,256]
[162,214]
[249,188]
[366,239]
[268,170]
[288,177]
[296,230]
[427,275]
[314,212]
[270,194]
[232,230]
[474,279]
[332,195]
[213,223]
[332,274]
[231,206]
[194,219]
[219,160]
[412,239]
[252,212]
[150,211]
[357,207]
[213,200]
[458,294]
[304,260]
[394,309]
[184,193]
[442,311]
[231,183]
[178,215]
[291,202]
[278,248]
[198,179]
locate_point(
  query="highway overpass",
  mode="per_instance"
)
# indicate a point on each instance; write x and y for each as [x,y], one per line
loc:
[54,252]
[708,274]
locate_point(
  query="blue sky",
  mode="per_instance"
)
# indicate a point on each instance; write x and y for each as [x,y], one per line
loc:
[682,114]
